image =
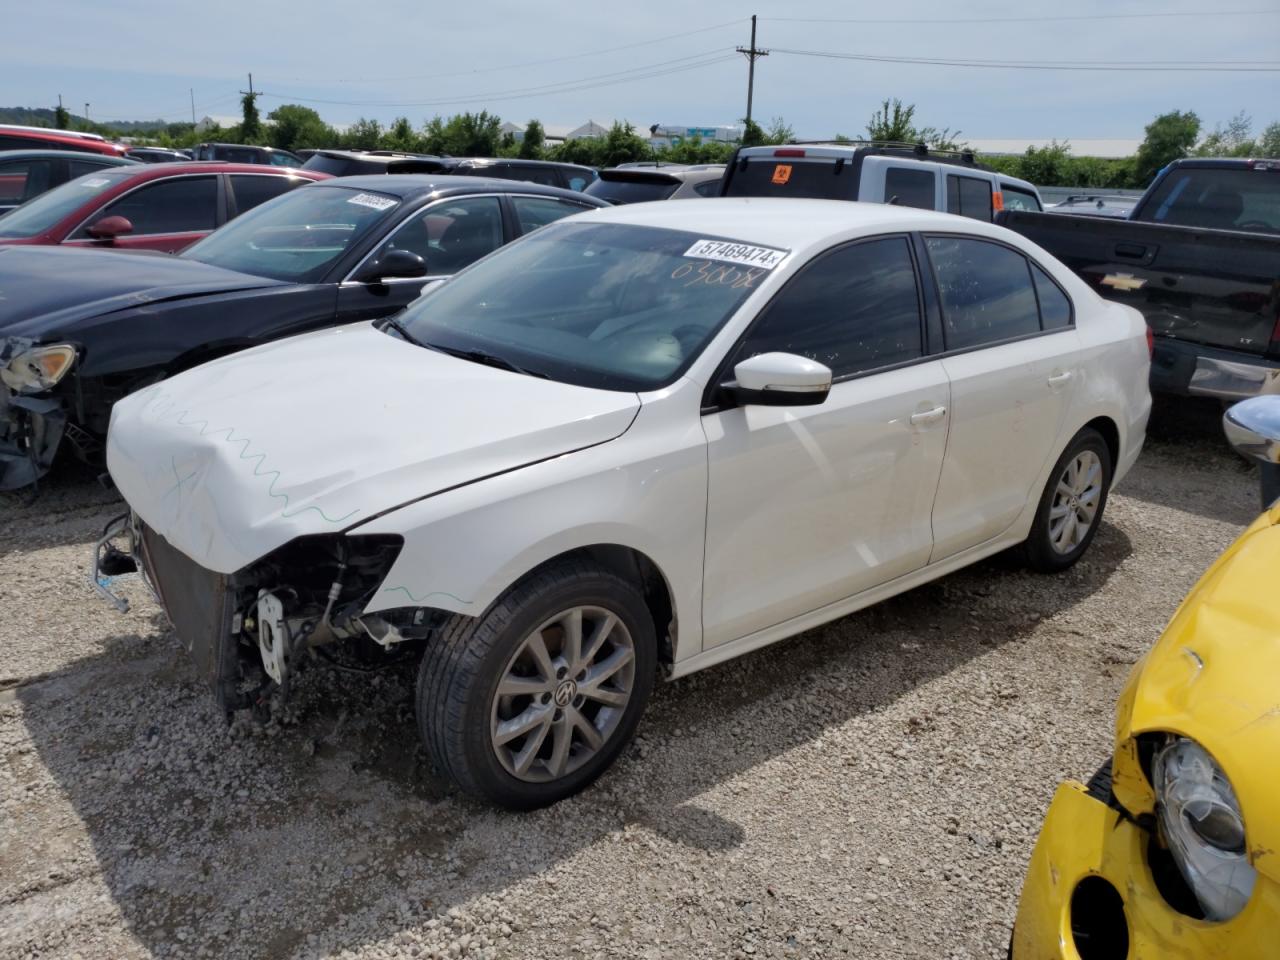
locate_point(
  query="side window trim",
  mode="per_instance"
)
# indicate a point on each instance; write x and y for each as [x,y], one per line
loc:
[518,228]
[380,242]
[1033,266]
[218,221]
[1042,332]
[712,402]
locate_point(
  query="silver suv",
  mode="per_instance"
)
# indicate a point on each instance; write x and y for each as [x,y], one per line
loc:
[910,176]
[637,183]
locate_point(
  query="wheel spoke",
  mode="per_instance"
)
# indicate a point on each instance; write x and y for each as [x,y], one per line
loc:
[517,686]
[1058,511]
[610,698]
[537,648]
[524,759]
[1089,475]
[598,636]
[606,668]
[1064,489]
[586,729]
[522,723]
[561,739]
[572,650]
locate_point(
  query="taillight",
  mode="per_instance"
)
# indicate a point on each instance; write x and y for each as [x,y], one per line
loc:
[788,153]
[1151,342]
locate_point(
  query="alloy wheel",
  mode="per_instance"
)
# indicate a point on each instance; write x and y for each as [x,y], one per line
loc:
[1075,502]
[562,694]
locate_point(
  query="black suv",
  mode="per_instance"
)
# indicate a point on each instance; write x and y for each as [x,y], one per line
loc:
[245,153]
[349,163]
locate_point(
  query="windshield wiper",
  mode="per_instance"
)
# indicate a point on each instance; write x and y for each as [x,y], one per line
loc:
[401,329]
[488,359]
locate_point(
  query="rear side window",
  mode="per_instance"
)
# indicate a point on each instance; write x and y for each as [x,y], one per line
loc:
[250,189]
[535,212]
[1217,198]
[969,197]
[20,180]
[909,188]
[1018,199]
[640,190]
[986,291]
[1055,307]
[184,205]
[825,179]
[708,188]
[853,309]
[79,167]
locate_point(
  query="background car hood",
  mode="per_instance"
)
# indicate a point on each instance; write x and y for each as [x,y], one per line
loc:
[42,287]
[1212,676]
[320,432]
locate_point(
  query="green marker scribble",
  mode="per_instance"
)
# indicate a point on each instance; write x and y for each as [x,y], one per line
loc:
[428,596]
[244,454]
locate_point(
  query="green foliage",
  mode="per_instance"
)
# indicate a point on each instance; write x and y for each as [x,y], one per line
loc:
[1170,137]
[401,136]
[752,135]
[1269,142]
[292,126]
[251,124]
[892,122]
[364,134]
[779,132]
[61,117]
[535,139]
[463,135]
[696,150]
[1233,140]
[620,145]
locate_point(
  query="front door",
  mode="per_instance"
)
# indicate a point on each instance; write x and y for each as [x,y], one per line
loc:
[809,505]
[1010,387]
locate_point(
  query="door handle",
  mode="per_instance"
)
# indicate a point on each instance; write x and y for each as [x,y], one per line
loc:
[1058,379]
[928,416]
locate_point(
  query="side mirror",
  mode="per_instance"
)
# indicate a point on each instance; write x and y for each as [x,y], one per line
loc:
[394,264]
[108,228]
[781,380]
[1253,428]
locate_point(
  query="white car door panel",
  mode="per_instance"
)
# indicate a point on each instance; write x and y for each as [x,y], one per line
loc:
[808,505]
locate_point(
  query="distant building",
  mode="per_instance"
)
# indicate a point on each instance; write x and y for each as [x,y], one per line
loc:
[559,132]
[209,122]
[1085,147]
[671,135]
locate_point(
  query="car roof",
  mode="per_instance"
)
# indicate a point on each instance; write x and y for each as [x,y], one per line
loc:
[156,171]
[411,186]
[792,224]
[519,162]
[1239,163]
[105,159]
[662,174]
[375,156]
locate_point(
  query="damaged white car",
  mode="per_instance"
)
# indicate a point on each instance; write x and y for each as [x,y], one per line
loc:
[647,439]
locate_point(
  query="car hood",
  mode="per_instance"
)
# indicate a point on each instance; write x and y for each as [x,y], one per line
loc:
[1212,677]
[315,434]
[42,288]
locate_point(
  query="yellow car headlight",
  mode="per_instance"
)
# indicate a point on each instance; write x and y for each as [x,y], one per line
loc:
[39,368]
[1200,820]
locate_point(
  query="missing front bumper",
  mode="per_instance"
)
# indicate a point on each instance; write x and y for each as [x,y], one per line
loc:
[31,429]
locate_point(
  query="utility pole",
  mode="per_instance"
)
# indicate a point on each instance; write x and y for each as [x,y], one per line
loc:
[86,113]
[752,54]
[192,91]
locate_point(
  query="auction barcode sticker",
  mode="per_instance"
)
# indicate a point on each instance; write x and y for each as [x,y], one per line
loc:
[373,201]
[94,182]
[743,253]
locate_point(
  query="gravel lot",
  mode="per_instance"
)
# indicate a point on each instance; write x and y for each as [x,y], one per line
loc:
[872,788]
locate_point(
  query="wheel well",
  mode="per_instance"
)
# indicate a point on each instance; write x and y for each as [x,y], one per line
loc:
[1110,434]
[203,354]
[639,569]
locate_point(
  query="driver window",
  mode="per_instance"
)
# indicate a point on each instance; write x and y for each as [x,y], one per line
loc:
[450,235]
[852,309]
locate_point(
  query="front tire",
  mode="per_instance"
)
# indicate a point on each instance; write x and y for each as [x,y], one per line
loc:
[531,701]
[1071,505]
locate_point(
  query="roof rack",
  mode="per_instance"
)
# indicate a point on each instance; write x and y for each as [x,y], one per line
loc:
[920,151]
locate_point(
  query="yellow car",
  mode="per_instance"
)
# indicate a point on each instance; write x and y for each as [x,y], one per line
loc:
[1173,849]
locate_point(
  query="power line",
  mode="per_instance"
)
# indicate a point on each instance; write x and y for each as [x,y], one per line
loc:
[1033,65]
[925,21]
[649,71]
[532,63]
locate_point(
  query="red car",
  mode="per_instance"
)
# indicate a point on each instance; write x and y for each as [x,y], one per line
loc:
[164,206]
[13,137]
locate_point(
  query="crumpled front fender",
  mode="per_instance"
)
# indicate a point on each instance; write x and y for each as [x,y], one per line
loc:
[31,428]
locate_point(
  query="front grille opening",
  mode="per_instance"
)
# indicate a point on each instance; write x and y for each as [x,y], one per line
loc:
[1098,925]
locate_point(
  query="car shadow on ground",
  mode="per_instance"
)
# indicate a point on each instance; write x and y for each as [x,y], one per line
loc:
[329,829]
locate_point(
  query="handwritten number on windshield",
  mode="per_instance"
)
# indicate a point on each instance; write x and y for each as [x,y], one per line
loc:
[715,275]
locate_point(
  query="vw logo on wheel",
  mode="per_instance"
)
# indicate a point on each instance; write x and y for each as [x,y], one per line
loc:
[565,693]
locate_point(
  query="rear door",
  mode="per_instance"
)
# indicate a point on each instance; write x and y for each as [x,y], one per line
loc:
[531,212]
[167,215]
[1012,374]
[970,196]
[247,190]
[902,182]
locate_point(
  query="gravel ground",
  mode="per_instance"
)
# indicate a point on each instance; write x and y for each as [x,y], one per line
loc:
[871,788]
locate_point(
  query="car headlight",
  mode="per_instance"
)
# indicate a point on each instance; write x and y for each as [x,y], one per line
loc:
[1201,821]
[38,368]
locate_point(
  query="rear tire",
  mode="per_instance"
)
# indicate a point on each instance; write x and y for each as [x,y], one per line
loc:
[1071,505]
[517,667]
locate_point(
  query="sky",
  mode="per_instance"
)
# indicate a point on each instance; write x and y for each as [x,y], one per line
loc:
[654,62]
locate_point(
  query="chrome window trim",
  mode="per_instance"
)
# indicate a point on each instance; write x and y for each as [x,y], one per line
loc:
[421,211]
[172,233]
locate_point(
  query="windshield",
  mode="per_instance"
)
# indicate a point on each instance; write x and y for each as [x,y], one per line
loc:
[297,236]
[607,305]
[633,189]
[39,214]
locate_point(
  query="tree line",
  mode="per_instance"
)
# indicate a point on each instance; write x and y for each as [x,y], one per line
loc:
[1170,136]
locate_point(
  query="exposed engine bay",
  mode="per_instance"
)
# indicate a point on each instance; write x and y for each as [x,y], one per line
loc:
[251,631]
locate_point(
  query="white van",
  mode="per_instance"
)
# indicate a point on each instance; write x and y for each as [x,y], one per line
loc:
[950,182]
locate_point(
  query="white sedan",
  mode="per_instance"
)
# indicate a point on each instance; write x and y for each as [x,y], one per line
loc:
[641,440]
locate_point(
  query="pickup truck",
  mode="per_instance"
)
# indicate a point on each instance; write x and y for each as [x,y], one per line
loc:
[1200,257]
